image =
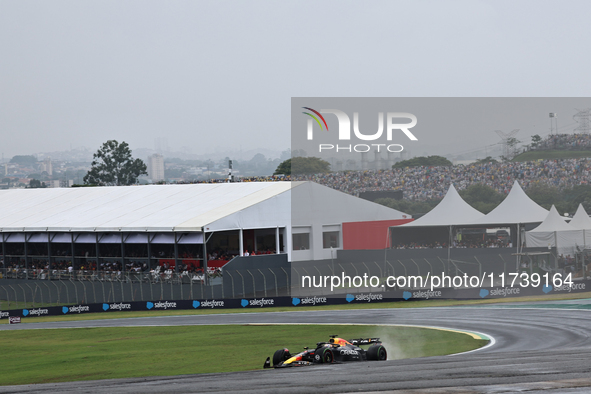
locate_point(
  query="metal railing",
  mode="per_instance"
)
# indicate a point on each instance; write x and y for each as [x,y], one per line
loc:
[20,287]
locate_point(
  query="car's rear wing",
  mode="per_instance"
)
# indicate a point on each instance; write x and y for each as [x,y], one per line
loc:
[364,341]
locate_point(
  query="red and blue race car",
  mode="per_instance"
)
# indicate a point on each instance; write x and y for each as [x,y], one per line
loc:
[334,351]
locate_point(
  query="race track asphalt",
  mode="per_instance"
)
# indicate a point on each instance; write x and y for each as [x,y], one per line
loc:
[535,350]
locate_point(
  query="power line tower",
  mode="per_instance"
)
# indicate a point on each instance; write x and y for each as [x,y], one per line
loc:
[509,142]
[582,118]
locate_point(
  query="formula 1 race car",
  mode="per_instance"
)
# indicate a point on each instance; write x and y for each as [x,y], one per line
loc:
[336,350]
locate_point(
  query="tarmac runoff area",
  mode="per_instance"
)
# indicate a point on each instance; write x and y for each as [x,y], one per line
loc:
[535,350]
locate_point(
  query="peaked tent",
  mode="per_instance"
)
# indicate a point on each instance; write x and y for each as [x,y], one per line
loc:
[555,232]
[516,208]
[581,220]
[451,211]
[552,222]
[437,224]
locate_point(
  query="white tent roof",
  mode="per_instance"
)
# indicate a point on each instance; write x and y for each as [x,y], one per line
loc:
[451,211]
[314,203]
[555,232]
[581,220]
[183,208]
[146,208]
[553,222]
[517,207]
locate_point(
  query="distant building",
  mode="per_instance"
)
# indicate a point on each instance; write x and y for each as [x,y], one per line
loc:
[47,166]
[156,167]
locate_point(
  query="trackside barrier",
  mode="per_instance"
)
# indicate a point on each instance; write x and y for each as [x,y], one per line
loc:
[401,295]
[254,276]
[266,275]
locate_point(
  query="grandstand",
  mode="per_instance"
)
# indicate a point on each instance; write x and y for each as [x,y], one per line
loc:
[194,227]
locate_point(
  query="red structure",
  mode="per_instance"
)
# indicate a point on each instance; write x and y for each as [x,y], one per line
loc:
[369,235]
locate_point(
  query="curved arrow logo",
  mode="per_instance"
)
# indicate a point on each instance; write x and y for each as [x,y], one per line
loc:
[315,118]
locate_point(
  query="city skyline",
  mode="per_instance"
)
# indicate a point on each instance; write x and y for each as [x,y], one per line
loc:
[209,79]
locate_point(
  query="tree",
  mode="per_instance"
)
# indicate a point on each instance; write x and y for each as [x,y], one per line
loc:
[24,160]
[35,184]
[535,140]
[286,154]
[482,197]
[545,195]
[578,194]
[112,165]
[427,161]
[407,206]
[302,165]
[486,160]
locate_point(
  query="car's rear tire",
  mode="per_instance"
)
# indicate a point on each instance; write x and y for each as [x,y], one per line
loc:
[377,352]
[280,356]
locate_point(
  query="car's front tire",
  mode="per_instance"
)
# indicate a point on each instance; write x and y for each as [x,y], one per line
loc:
[280,356]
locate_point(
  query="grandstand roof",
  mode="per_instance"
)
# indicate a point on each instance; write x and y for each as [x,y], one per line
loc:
[517,207]
[451,211]
[217,206]
[188,208]
[581,220]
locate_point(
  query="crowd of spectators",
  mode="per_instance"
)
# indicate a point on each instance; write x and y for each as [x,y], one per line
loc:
[491,243]
[427,183]
[564,141]
[431,183]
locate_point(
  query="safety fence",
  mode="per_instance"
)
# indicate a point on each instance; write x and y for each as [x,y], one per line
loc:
[78,288]
[266,276]
[242,277]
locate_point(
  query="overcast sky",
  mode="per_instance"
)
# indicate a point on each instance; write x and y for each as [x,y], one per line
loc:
[210,75]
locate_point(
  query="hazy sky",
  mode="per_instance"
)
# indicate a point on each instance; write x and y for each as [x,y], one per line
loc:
[213,75]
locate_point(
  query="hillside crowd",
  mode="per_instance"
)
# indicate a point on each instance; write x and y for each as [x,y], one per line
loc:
[565,141]
[426,183]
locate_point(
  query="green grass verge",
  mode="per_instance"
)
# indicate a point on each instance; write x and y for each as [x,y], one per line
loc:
[376,305]
[47,356]
[552,154]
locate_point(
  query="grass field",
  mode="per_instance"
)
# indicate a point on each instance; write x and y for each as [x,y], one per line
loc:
[44,356]
[553,154]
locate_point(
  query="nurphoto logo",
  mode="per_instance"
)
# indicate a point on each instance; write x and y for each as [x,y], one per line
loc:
[391,119]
